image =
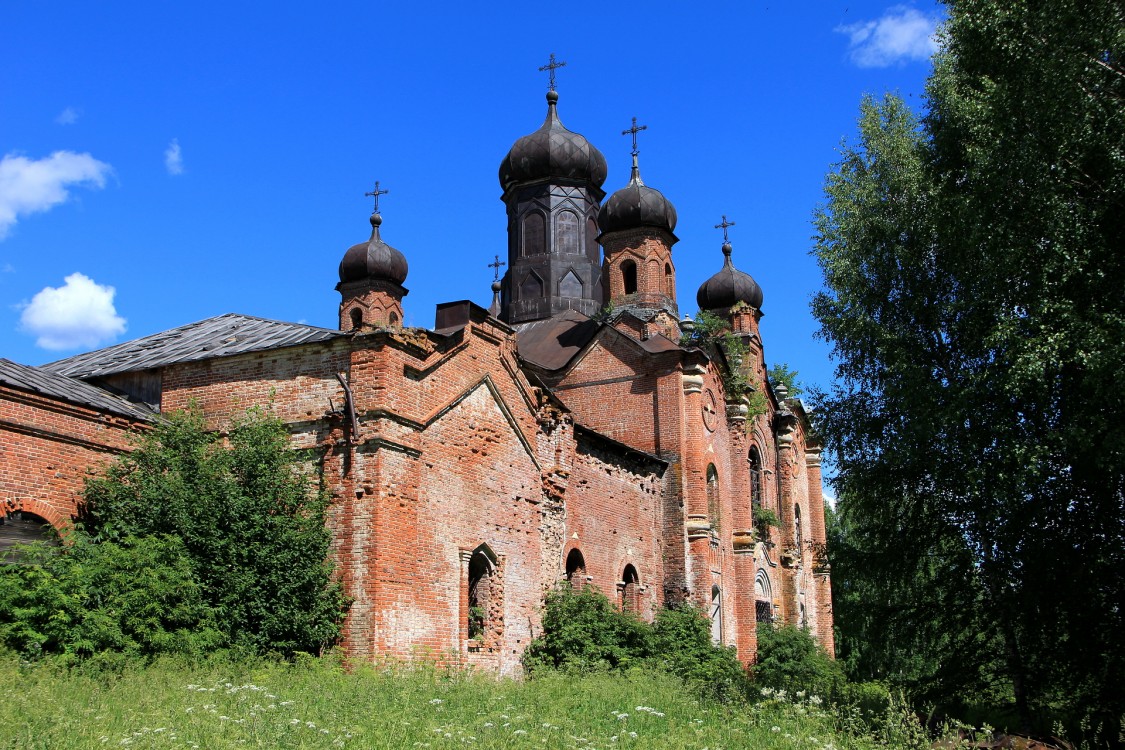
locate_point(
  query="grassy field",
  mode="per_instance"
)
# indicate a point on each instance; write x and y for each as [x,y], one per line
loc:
[317,704]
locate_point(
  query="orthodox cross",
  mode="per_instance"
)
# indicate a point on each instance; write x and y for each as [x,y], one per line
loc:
[377,192]
[495,266]
[552,67]
[724,226]
[634,130]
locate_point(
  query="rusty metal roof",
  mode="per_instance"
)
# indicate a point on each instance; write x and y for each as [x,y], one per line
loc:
[553,342]
[72,390]
[222,336]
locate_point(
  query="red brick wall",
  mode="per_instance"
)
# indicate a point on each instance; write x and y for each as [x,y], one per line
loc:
[48,447]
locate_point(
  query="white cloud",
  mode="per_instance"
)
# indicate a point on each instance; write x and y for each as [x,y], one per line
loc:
[29,186]
[79,314]
[900,35]
[173,158]
[68,116]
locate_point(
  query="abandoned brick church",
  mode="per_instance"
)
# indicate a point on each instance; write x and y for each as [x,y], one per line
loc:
[576,429]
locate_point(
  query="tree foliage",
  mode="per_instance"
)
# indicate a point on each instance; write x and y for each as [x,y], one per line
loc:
[974,270]
[249,518]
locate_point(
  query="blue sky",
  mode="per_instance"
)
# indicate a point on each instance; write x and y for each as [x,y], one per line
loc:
[164,163]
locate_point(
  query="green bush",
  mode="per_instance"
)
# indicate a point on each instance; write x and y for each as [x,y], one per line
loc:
[789,658]
[584,632]
[136,597]
[250,519]
[683,646]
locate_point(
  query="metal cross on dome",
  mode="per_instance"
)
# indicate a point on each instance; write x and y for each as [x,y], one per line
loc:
[552,67]
[724,226]
[377,192]
[495,266]
[634,130]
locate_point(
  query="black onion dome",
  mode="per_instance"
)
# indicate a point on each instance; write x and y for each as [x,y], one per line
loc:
[373,259]
[636,205]
[552,151]
[729,287]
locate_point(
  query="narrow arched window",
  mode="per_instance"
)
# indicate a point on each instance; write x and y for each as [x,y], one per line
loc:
[755,477]
[575,566]
[484,618]
[713,510]
[716,615]
[669,281]
[393,319]
[630,590]
[534,234]
[798,536]
[763,597]
[567,232]
[629,276]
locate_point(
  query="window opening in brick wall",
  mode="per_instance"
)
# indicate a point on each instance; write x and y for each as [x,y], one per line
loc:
[20,527]
[763,597]
[629,276]
[357,318]
[755,477]
[669,281]
[394,319]
[798,536]
[630,590]
[575,567]
[716,615]
[713,511]
[485,597]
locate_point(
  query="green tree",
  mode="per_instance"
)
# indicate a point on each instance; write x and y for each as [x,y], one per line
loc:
[781,373]
[973,264]
[250,520]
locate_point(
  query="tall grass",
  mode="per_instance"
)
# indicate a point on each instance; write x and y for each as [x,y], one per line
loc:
[317,704]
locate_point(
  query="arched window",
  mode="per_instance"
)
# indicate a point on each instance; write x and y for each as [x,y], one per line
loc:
[534,234]
[485,616]
[567,232]
[575,566]
[713,510]
[763,597]
[630,590]
[798,537]
[393,319]
[669,281]
[22,527]
[755,477]
[717,615]
[629,276]
[357,318]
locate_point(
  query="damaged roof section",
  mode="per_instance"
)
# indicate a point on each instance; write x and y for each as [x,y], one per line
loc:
[222,336]
[53,385]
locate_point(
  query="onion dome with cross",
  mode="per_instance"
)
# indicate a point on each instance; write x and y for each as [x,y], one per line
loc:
[729,286]
[636,205]
[373,259]
[552,152]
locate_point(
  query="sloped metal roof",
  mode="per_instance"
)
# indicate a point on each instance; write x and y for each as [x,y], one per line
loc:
[222,336]
[72,390]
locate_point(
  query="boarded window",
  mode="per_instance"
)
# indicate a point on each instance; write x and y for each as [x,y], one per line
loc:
[570,286]
[567,232]
[531,287]
[534,234]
